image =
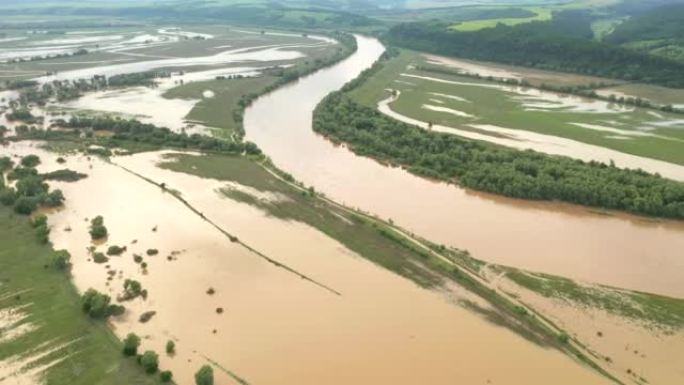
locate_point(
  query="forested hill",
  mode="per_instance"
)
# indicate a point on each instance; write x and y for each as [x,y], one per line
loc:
[666,22]
[539,45]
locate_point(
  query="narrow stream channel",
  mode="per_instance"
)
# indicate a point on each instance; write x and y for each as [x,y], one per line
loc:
[617,250]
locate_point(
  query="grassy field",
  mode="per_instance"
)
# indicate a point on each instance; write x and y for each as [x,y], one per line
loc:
[62,346]
[540,14]
[218,111]
[636,131]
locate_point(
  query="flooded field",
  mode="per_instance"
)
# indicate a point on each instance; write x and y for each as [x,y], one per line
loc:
[559,239]
[643,350]
[579,127]
[377,321]
[126,50]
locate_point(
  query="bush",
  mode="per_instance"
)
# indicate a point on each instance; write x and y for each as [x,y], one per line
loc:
[115,250]
[54,198]
[64,175]
[170,347]
[6,164]
[150,361]
[131,344]
[97,228]
[115,310]
[43,234]
[132,289]
[100,258]
[204,376]
[166,376]
[60,259]
[8,196]
[152,252]
[563,338]
[25,205]
[30,161]
[95,304]
[39,220]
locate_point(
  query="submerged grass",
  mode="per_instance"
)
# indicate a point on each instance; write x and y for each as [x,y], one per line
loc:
[86,351]
[638,131]
[655,310]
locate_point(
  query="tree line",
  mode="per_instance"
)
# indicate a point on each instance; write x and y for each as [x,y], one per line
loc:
[496,169]
[539,45]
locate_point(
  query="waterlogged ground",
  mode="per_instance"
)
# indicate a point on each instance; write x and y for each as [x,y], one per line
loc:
[122,50]
[380,329]
[190,56]
[524,117]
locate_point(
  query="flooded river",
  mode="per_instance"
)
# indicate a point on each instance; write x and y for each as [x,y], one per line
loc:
[615,249]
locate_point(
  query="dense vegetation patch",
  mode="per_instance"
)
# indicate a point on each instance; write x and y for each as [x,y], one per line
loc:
[135,131]
[30,190]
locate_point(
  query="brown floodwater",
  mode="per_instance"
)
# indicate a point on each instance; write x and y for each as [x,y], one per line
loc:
[275,328]
[571,241]
[633,346]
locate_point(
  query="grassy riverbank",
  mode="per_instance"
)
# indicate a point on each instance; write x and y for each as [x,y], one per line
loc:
[51,337]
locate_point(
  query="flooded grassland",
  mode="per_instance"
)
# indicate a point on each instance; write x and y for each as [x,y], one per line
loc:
[267,310]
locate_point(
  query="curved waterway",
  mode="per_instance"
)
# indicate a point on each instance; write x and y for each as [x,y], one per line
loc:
[612,249]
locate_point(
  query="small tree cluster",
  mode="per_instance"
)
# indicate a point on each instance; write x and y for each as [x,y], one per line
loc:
[97,305]
[97,228]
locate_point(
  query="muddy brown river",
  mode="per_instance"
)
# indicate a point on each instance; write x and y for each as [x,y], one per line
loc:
[612,249]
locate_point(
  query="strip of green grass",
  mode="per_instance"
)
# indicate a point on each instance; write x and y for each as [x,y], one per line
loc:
[650,308]
[92,354]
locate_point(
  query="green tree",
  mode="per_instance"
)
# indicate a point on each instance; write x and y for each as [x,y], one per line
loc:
[30,161]
[150,361]
[95,304]
[61,259]
[166,376]
[170,347]
[25,205]
[131,344]
[204,376]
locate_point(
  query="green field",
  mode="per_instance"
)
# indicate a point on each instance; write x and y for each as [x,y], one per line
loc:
[63,346]
[637,131]
[218,111]
[540,14]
